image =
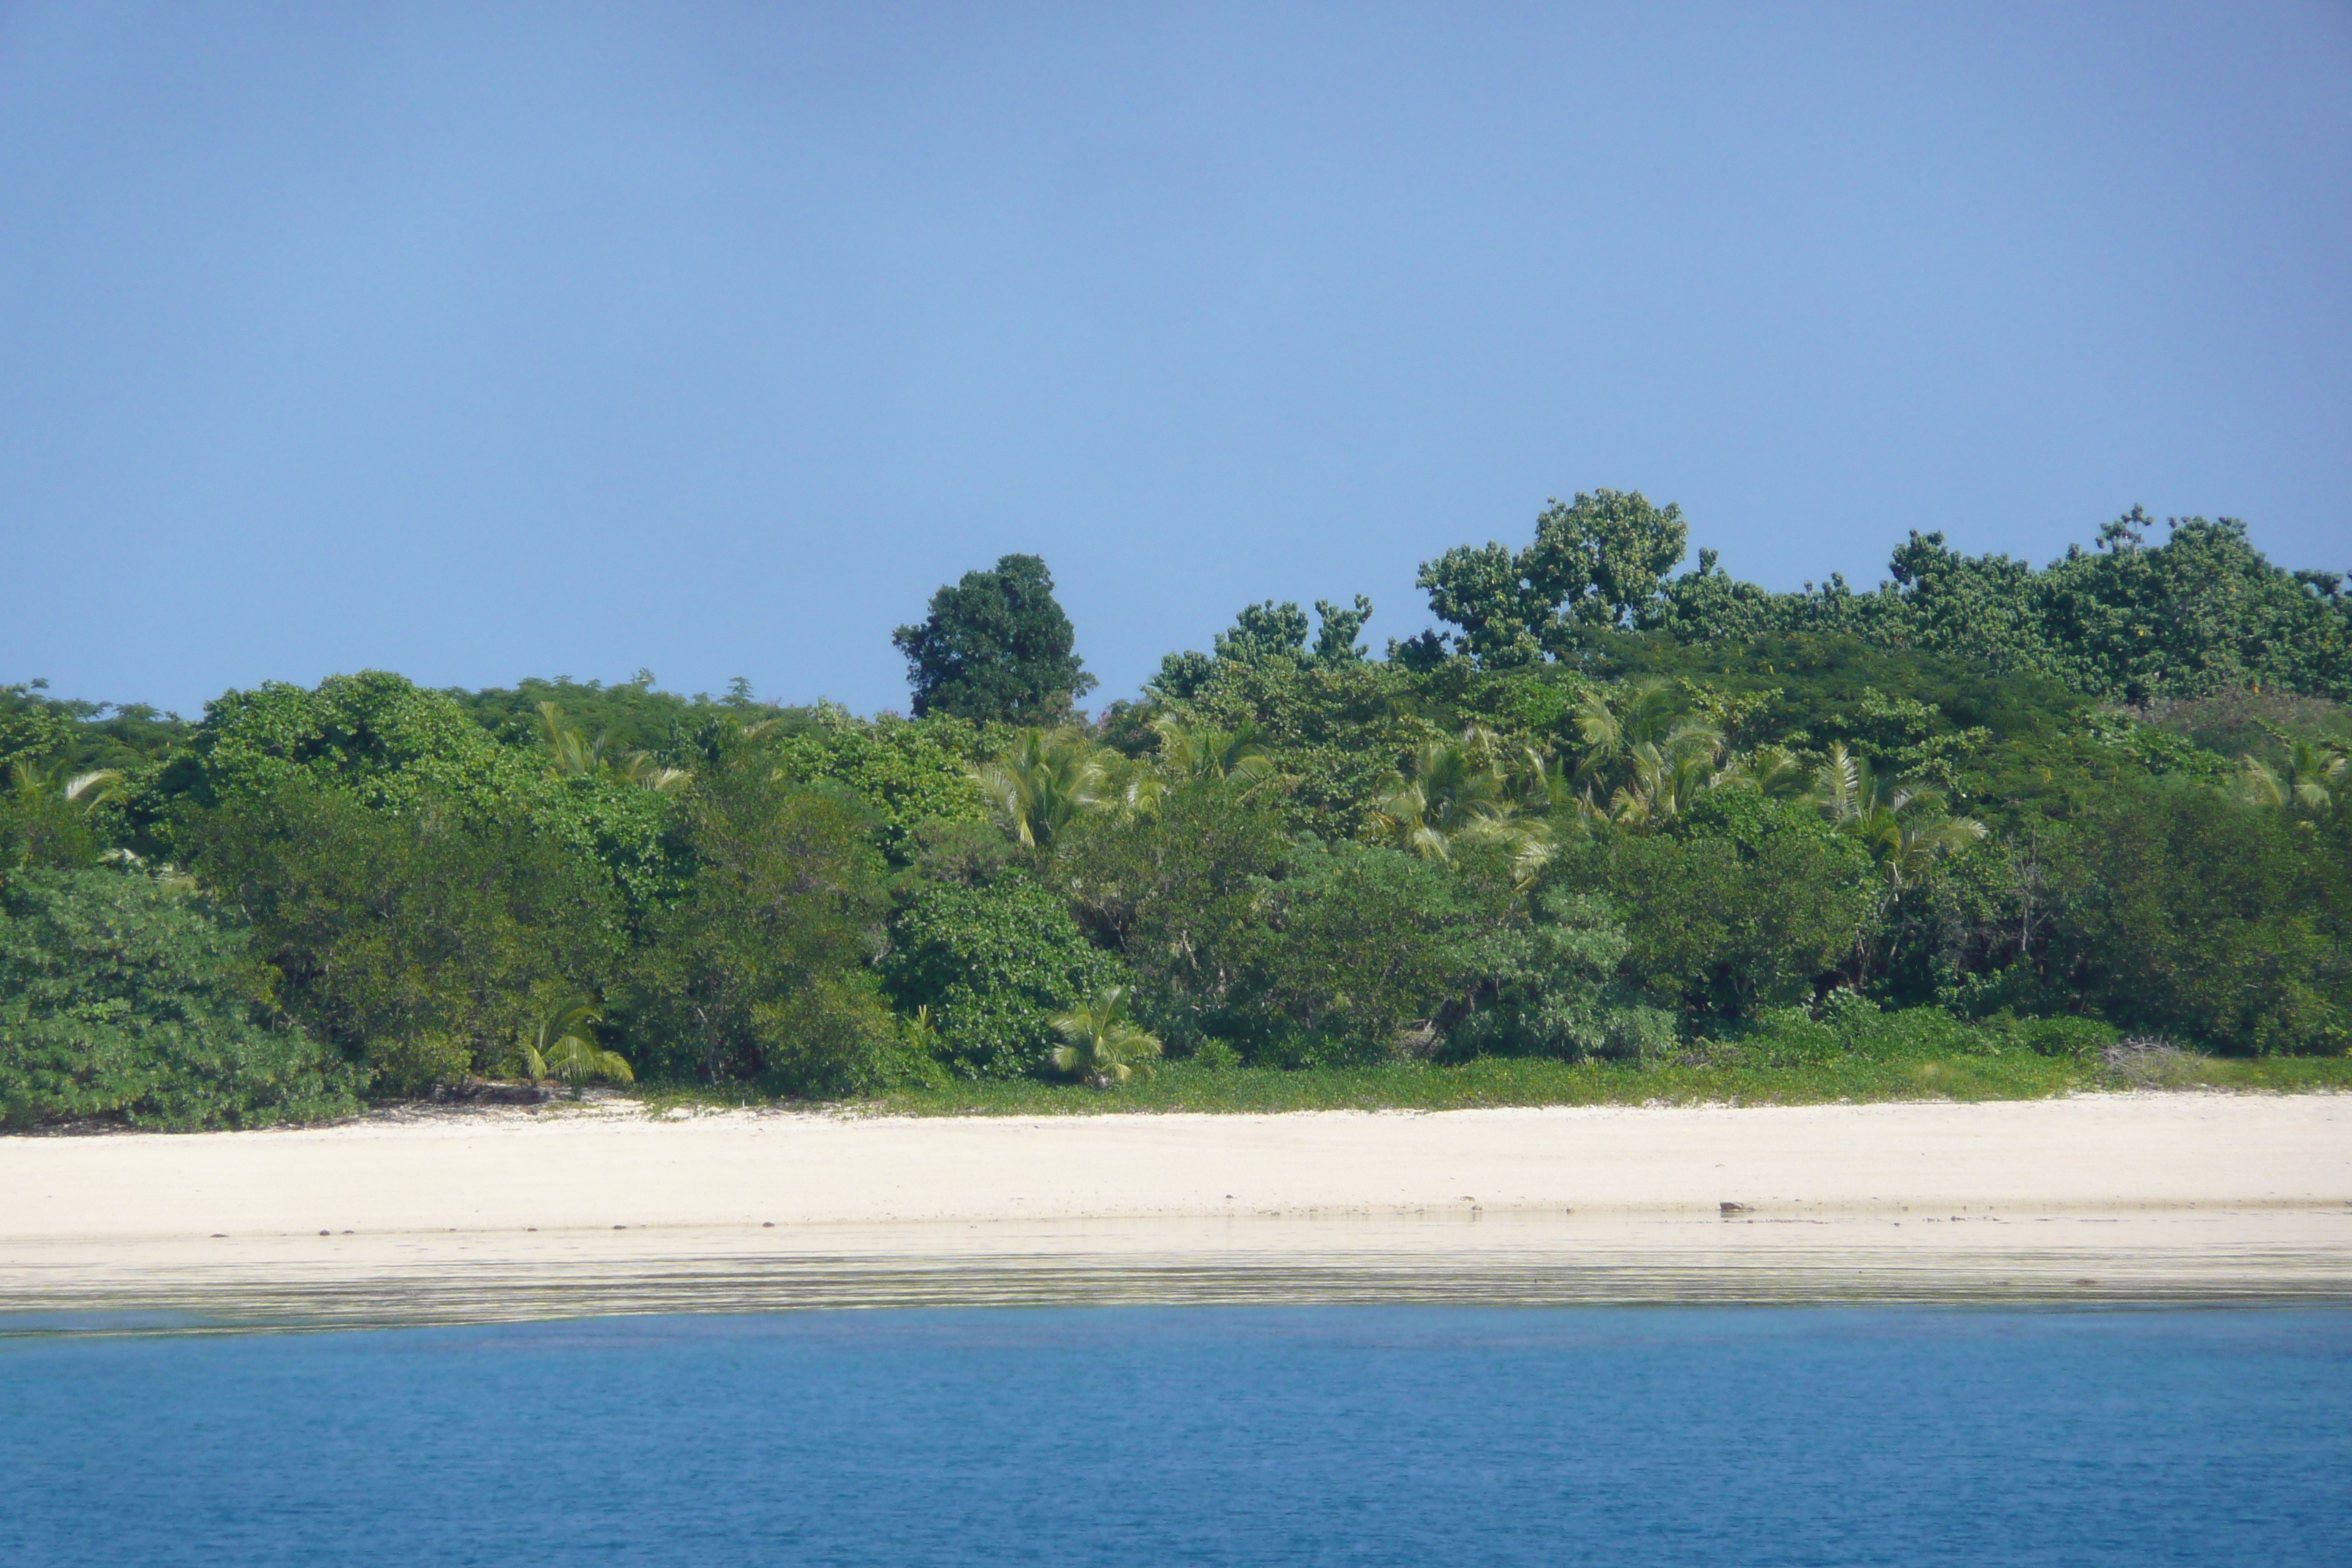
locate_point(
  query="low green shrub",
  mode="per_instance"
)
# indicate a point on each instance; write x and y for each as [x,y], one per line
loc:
[121,997]
[994,962]
[1845,1028]
[2072,1039]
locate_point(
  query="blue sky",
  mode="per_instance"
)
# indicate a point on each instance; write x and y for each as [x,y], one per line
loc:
[478,342]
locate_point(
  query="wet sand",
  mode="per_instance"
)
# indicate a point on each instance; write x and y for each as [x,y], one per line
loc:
[486,1217]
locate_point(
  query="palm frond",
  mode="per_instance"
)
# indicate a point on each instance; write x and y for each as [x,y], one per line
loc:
[99,785]
[1103,1045]
[563,1046]
[1044,781]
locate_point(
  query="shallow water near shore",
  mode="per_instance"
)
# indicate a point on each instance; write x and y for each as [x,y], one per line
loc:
[1243,1435]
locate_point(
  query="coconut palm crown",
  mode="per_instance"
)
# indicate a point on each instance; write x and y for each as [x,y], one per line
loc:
[1044,781]
[564,1045]
[1102,1044]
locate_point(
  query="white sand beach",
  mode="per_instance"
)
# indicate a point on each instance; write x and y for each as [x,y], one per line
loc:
[551,1213]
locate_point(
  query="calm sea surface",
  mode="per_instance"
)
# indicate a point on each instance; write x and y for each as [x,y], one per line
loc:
[1141,1436]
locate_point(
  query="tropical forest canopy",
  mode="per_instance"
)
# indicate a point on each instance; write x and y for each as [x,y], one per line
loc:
[1608,812]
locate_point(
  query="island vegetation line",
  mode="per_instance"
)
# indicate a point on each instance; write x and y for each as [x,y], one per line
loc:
[1617,833]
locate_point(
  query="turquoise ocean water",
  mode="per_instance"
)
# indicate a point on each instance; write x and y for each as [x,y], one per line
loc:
[1143,1437]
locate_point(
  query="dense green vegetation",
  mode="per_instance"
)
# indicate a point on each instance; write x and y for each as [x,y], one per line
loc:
[126,998]
[1616,834]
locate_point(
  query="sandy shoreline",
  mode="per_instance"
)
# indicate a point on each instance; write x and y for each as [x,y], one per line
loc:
[2128,1196]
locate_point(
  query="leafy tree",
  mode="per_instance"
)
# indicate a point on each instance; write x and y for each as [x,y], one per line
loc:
[1268,630]
[423,942]
[376,734]
[995,646]
[1180,895]
[1596,563]
[994,961]
[2181,910]
[1358,950]
[1273,632]
[1552,988]
[2201,612]
[32,728]
[1486,591]
[758,970]
[1337,734]
[1337,630]
[391,746]
[1745,905]
[122,997]
[906,774]
[629,716]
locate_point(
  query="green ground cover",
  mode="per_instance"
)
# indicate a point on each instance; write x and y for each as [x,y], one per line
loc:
[1492,1082]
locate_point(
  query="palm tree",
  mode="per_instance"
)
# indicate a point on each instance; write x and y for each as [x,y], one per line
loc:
[1104,1046]
[1774,770]
[564,1045]
[571,754]
[1044,782]
[1908,848]
[1906,829]
[1190,753]
[1646,710]
[32,784]
[1843,785]
[1457,793]
[1662,782]
[1644,755]
[2309,778]
[1450,783]
[96,787]
[1187,756]
[647,771]
[1529,841]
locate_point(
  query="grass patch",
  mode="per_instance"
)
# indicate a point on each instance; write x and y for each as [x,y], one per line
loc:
[1732,1077]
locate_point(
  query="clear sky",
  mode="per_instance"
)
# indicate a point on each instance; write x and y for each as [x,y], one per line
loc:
[485,341]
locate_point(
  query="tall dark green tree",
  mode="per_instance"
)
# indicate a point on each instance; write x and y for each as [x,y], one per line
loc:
[2201,612]
[1596,563]
[995,646]
[1269,633]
